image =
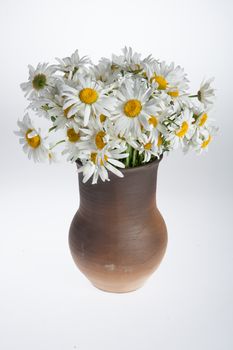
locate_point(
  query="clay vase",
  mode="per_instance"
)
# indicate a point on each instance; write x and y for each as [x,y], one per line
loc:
[118,237]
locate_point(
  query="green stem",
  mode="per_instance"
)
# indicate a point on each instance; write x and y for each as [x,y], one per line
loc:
[134,157]
[140,158]
[172,121]
[57,144]
[131,156]
[127,160]
[193,96]
[52,128]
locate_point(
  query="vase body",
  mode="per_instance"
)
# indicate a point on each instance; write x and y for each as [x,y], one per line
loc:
[118,237]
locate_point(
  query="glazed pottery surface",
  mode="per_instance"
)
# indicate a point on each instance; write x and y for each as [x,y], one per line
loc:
[118,237]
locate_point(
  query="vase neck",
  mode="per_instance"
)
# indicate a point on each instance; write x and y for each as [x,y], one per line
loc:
[134,193]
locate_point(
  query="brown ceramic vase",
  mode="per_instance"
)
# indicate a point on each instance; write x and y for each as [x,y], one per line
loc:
[118,237]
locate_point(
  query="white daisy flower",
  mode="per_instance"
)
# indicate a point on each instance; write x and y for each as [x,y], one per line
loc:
[103,72]
[202,138]
[155,121]
[100,112]
[71,65]
[206,92]
[73,134]
[32,141]
[95,139]
[131,61]
[179,102]
[63,121]
[52,156]
[156,132]
[73,142]
[58,115]
[171,79]
[148,147]
[202,119]
[103,121]
[40,81]
[201,116]
[87,98]
[98,163]
[72,152]
[133,109]
[42,106]
[181,130]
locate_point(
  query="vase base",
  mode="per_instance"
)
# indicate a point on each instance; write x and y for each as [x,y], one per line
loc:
[116,290]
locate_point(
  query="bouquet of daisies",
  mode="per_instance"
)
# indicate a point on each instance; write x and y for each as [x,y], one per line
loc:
[123,112]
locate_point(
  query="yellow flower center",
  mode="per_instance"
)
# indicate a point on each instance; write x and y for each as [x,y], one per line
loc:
[174,93]
[72,135]
[88,96]
[132,108]
[203,119]
[160,141]
[162,82]
[148,146]
[183,130]
[153,121]
[114,67]
[34,141]
[66,111]
[94,158]
[102,118]
[206,142]
[39,81]
[99,139]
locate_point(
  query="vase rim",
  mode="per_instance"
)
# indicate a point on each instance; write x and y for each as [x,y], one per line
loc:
[142,166]
[136,168]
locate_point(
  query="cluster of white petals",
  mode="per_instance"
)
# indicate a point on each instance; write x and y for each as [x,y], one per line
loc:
[123,112]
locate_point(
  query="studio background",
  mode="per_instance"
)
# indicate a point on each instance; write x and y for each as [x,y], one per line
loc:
[45,302]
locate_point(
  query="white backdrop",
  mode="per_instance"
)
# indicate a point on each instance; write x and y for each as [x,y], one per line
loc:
[45,302]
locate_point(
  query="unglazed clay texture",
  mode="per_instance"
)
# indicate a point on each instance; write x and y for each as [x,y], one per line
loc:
[118,236]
